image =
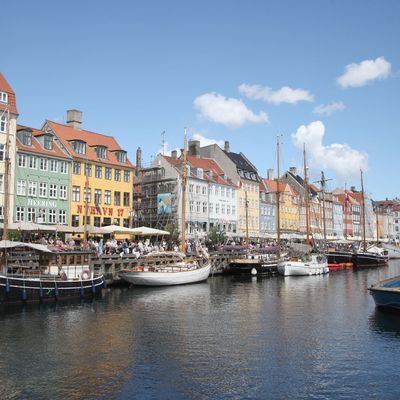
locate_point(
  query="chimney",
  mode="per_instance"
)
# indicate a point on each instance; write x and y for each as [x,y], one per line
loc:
[293,170]
[194,148]
[74,119]
[138,161]
[270,174]
[227,147]
[353,188]
[174,154]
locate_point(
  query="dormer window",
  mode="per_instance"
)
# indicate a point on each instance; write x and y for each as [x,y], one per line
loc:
[48,142]
[200,173]
[26,138]
[79,146]
[101,152]
[121,156]
[4,97]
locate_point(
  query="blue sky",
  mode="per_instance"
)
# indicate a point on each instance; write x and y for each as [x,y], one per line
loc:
[242,71]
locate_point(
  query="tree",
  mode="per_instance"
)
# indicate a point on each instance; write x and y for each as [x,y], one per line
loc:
[215,236]
[173,231]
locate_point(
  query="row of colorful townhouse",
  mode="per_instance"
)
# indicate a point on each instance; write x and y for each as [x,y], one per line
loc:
[55,169]
[59,173]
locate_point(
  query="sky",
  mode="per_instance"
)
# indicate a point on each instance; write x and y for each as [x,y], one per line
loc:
[322,74]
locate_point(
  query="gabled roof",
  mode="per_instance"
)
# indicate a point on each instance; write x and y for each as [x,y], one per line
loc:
[37,147]
[273,185]
[12,103]
[67,135]
[207,164]
[243,164]
[300,181]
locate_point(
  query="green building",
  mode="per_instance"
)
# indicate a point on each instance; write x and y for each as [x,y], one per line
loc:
[42,178]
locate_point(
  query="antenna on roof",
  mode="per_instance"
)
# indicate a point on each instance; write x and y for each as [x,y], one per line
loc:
[163,142]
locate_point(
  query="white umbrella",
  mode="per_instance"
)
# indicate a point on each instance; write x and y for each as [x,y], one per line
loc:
[29,226]
[116,229]
[90,229]
[145,231]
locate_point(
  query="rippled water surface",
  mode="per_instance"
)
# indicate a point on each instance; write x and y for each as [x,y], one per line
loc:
[251,338]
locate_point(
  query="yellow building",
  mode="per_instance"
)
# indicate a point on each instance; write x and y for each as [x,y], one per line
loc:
[289,206]
[100,165]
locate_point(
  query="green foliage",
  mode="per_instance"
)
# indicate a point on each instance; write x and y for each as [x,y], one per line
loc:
[173,231]
[215,236]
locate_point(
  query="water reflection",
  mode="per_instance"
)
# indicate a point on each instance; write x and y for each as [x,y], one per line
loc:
[385,322]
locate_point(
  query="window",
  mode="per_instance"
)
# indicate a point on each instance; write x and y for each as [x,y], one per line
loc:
[22,160]
[117,175]
[87,194]
[107,197]
[107,173]
[20,214]
[63,192]
[21,187]
[217,208]
[125,222]
[2,152]
[64,167]
[98,172]
[191,205]
[44,164]
[52,216]
[97,221]
[3,97]
[106,221]
[204,207]
[116,221]
[27,138]
[88,169]
[3,124]
[101,152]
[228,210]
[97,197]
[190,188]
[75,220]
[53,165]
[42,189]
[32,162]
[77,168]
[198,206]
[197,189]
[211,208]
[204,190]
[117,198]
[76,193]
[1,183]
[127,176]
[222,208]
[200,173]
[126,199]
[32,189]
[79,146]
[31,214]
[233,210]
[62,216]
[121,157]
[48,142]
[53,191]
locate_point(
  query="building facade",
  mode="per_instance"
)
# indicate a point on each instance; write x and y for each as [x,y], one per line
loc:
[101,174]
[42,179]
[8,129]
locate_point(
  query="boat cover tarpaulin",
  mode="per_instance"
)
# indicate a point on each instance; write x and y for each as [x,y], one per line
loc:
[9,244]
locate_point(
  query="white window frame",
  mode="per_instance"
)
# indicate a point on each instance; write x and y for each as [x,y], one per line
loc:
[51,216]
[32,188]
[44,164]
[43,189]
[52,191]
[21,187]
[63,192]
[53,165]
[3,124]
[4,97]
[62,216]
[20,214]
[22,160]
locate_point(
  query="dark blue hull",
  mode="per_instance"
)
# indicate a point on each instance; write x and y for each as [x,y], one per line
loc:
[387,298]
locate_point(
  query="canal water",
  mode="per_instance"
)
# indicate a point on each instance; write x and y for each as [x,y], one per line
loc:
[314,337]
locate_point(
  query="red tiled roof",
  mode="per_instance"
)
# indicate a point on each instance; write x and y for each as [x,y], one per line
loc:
[36,146]
[12,103]
[274,185]
[207,164]
[67,134]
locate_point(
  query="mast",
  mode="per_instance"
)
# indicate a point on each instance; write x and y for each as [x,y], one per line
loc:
[278,211]
[306,196]
[377,225]
[363,211]
[247,217]
[86,195]
[184,175]
[323,182]
[6,180]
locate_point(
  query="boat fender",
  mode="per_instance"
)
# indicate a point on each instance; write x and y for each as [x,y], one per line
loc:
[253,271]
[24,294]
[85,275]
[8,289]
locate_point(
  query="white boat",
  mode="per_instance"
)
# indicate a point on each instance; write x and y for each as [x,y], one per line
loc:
[314,264]
[179,273]
[391,250]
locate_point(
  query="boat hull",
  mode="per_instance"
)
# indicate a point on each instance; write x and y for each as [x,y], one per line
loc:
[393,252]
[298,268]
[386,298]
[238,268]
[369,260]
[339,257]
[15,289]
[160,278]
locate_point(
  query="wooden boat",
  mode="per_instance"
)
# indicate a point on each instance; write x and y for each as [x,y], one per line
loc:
[177,272]
[386,294]
[33,272]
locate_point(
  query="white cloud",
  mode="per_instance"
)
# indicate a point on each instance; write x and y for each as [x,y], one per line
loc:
[284,95]
[227,111]
[364,72]
[329,109]
[166,151]
[340,158]
[207,141]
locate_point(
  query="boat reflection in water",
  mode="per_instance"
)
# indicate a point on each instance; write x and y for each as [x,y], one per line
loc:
[385,321]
